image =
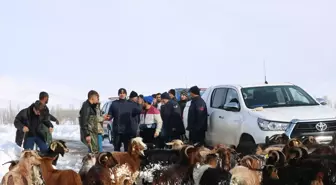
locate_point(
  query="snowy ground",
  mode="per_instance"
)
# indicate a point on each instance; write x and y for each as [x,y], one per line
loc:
[70,133]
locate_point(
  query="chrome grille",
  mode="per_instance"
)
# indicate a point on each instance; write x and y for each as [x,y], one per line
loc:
[309,127]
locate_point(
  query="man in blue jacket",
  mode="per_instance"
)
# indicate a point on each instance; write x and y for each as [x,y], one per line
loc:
[123,113]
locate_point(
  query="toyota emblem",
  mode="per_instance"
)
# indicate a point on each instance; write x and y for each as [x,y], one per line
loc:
[321,126]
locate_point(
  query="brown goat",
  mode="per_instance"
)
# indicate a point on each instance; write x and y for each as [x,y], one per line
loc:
[21,174]
[56,177]
[101,172]
[131,158]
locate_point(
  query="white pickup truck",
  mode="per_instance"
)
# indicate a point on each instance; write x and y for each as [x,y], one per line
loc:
[251,113]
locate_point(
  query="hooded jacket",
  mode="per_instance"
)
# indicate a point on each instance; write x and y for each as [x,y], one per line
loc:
[26,117]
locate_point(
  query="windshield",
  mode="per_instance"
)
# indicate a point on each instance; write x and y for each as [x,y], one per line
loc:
[276,96]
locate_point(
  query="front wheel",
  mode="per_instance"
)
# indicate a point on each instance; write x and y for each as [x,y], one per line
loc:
[110,136]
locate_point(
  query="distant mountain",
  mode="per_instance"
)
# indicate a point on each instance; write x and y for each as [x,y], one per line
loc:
[23,92]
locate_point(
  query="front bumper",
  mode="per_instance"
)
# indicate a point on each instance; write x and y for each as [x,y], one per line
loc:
[305,128]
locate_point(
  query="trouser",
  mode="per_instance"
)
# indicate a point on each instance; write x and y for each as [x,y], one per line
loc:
[147,135]
[96,143]
[197,137]
[119,139]
[30,141]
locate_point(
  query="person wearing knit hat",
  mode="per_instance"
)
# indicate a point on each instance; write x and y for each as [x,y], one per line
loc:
[165,95]
[183,100]
[197,117]
[172,94]
[125,115]
[194,90]
[133,96]
[173,127]
[148,99]
[150,121]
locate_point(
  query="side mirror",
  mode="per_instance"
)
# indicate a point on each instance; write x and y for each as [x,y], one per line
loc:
[321,101]
[232,106]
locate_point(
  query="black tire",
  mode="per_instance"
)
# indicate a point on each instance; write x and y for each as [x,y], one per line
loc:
[110,135]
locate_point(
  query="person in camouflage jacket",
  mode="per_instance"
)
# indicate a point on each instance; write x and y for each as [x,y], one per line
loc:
[90,122]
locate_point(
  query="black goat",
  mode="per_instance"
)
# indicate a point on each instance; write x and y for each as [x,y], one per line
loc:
[156,160]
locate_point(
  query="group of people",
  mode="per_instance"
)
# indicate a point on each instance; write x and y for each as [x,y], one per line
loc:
[34,125]
[157,119]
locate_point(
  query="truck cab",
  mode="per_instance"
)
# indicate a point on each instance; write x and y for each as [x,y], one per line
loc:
[238,113]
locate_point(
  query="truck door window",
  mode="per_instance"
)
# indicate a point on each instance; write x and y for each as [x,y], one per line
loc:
[297,96]
[231,94]
[218,98]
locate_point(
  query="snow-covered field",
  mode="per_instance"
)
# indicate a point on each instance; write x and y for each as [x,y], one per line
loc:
[10,151]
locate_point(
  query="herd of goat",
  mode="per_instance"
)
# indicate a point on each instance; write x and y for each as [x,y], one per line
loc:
[280,161]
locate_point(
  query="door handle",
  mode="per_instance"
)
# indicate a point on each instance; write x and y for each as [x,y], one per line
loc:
[221,117]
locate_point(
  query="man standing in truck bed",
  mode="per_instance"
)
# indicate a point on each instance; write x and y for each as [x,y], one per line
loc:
[197,117]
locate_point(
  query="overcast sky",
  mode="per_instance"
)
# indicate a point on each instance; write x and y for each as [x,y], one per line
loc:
[71,46]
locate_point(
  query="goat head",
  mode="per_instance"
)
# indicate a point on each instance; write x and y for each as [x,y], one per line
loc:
[106,159]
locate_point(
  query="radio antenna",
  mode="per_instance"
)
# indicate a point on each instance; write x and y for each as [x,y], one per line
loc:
[265,72]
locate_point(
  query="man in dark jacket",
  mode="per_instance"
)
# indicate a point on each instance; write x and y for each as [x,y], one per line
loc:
[172,94]
[183,101]
[173,127]
[133,98]
[197,117]
[28,121]
[123,112]
[45,115]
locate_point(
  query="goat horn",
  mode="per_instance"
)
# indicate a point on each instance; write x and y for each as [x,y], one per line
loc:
[101,155]
[186,150]
[276,154]
[298,150]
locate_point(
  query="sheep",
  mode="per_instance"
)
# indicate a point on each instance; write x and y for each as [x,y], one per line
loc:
[53,176]
[22,173]
[88,161]
[131,158]
[181,172]
[248,173]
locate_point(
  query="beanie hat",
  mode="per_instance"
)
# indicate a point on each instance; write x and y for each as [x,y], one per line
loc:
[38,105]
[148,99]
[194,90]
[165,95]
[122,90]
[141,96]
[184,93]
[172,91]
[133,94]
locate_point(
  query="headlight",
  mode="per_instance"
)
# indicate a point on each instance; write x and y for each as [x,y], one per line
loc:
[272,125]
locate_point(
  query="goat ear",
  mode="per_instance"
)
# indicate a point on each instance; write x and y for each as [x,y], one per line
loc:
[170,143]
[53,146]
